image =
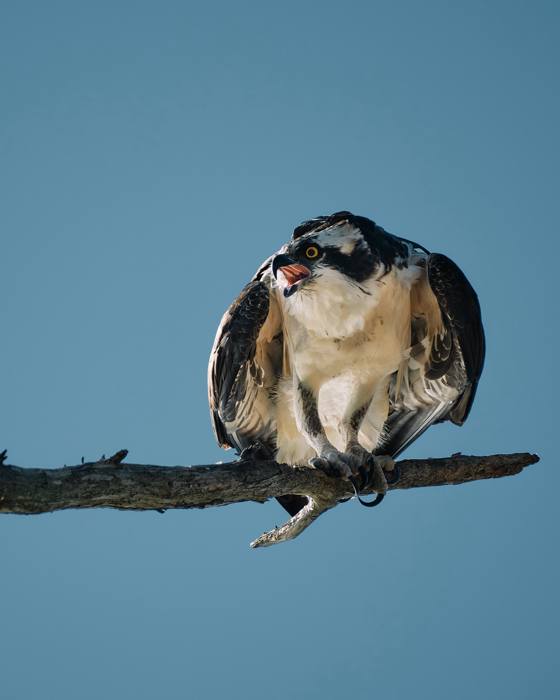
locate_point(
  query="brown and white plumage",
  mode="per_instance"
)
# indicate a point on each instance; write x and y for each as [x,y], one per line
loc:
[362,346]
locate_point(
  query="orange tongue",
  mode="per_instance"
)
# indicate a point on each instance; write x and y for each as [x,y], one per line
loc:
[294,273]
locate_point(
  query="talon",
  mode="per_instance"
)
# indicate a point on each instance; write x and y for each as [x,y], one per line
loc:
[364,478]
[372,474]
[365,472]
[368,504]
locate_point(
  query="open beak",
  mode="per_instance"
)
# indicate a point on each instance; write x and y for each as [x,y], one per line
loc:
[289,273]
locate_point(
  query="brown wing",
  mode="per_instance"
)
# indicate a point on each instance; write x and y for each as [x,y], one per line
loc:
[244,367]
[447,356]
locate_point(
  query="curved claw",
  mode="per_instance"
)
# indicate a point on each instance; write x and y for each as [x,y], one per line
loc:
[368,504]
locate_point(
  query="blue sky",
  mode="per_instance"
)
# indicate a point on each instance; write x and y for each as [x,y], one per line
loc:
[151,155]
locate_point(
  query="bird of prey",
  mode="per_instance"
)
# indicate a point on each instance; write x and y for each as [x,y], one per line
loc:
[346,345]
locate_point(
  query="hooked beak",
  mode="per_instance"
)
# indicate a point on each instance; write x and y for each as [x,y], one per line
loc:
[289,273]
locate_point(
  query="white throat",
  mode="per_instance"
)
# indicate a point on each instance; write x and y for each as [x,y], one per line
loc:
[331,305]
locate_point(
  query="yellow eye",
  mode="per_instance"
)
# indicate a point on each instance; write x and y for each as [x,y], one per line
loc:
[312,252]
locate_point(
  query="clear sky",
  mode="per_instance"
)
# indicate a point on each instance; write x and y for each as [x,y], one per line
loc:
[151,155]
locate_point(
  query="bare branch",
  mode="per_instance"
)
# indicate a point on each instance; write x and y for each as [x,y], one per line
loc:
[307,515]
[110,483]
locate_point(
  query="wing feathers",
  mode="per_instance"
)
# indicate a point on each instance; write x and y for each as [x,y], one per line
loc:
[460,306]
[242,365]
[446,357]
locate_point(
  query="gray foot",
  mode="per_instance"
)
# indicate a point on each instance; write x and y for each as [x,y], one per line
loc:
[373,474]
[357,465]
[361,468]
[356,462]
[372,468]
[334,463]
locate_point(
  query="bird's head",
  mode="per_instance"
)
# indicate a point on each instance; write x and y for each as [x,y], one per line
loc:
[341,249]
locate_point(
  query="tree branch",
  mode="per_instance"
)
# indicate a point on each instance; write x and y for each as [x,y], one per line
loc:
[110,483]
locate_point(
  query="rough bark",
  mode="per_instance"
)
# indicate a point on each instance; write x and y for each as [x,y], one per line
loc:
[110,483]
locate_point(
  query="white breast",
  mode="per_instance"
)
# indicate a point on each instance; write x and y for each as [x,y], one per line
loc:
[344,342]
[331,306]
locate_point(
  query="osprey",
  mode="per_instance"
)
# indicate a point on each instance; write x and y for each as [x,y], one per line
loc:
[345,347]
